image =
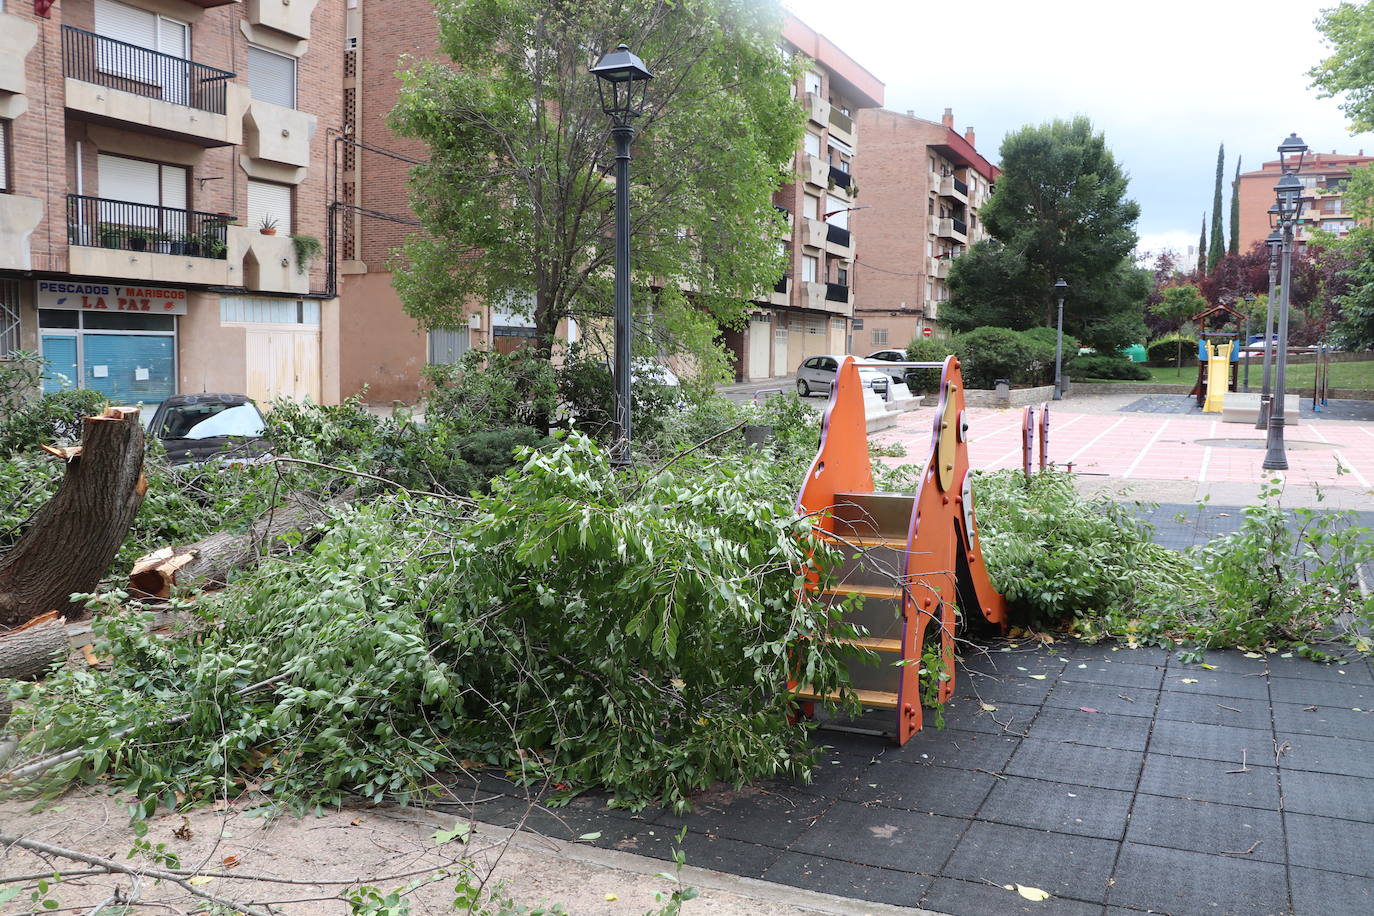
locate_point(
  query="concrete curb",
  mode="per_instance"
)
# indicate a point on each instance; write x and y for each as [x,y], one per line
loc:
[701,878]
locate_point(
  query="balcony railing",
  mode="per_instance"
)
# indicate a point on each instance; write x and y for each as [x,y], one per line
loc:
[841,178]
[841,120]
[837,235]
[960,226]
[960,186]
[94,58]
[837,292]
[99,223]
[782,285]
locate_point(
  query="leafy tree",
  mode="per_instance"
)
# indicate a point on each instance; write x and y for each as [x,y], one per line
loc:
[1058,210]
[516,202]
[1234,247]
[1347,266]
[1179,303]
[1216,247]
[1349,71]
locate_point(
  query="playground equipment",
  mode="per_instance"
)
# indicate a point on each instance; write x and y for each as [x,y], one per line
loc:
[1028,438]
[919,553]
[1218,358]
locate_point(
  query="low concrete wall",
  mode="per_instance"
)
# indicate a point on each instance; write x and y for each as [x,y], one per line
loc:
[982,397]
[1082,388]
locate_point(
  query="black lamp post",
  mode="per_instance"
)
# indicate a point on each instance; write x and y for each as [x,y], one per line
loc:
[1249,307]
[623,82]
[1275,245]
[1061,289]
[1288,199]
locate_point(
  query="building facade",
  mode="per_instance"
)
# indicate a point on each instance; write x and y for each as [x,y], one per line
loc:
[924,183]
[811,310]
[1323,177]
[163,196]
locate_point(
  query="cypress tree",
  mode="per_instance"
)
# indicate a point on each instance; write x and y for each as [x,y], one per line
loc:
[1217,244]
[1235,211]
[1202,249]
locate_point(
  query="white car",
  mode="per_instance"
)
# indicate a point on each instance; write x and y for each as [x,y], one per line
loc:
[817,376]
[897,373]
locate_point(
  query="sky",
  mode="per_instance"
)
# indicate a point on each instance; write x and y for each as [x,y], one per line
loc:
[1165,82]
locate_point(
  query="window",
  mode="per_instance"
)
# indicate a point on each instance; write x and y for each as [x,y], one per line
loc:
[813,82]
[141,182]
[811,268]
[842,276]
[930,206]
[261,310]
[838,208]
[271,77]
[4,159]
[880,340]
[811,207]
[268,202]
[812,144]
[144,29]
[9,317]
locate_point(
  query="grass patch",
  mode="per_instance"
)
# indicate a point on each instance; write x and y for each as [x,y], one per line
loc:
[1343,375]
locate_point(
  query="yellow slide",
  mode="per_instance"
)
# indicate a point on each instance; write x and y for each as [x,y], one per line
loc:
[1218,376]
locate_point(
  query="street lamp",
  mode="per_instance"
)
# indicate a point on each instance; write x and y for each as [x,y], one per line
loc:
[1061,290]
[1288,200]
[1275,245]
[623,84]
[1249,307]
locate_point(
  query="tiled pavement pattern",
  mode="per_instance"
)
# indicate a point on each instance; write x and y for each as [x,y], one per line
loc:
[1340,409]
[1118,780]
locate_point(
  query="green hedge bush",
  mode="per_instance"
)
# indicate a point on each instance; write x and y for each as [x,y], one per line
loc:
[989,354]
[1166,350]
[924,350]
[1116,368]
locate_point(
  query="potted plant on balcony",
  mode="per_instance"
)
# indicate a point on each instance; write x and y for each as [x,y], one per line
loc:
[138,239]
[212,246]
[308,248]
[110,235]
[268,226]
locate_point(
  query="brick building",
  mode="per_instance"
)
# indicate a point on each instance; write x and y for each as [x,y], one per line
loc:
[923,183]
[810,311]
[144,145]
[1323,176]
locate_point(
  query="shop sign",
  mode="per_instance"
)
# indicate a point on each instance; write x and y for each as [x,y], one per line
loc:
[108,297]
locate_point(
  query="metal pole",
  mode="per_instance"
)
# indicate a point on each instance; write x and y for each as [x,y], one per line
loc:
[1262,421]
[1059,355]
[1275,457]
[1245,344]
[624,135]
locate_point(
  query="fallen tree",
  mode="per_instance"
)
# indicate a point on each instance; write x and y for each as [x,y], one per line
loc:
[212,561]
[33,648]
[73,539]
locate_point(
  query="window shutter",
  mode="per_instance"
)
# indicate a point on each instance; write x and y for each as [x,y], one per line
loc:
[131,180]
[272,77]
[174,181]
[269,200]
[4,155]
[125,23]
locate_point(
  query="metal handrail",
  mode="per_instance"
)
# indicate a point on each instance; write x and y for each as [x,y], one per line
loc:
[98,222]
[117,64]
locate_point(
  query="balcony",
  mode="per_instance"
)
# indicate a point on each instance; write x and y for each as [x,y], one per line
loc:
[814,232]
[841,126]
[817,108]
[951,228]
[283,16]
[838,236]
[954,189]
[779,295]
[939,268]
[837,292]
[840,178]
[17,38]
[19,217]
[816,172]
[277,134]
[115,82]
[119,239]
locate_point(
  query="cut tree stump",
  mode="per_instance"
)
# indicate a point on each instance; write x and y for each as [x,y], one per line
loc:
[73,539]
[35,647]
[211,562]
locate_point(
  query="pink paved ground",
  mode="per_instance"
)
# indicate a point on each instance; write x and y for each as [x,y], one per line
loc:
[1148,446]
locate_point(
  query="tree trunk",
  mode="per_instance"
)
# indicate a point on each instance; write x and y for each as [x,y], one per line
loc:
[212,561]
[73,539]
[33,648]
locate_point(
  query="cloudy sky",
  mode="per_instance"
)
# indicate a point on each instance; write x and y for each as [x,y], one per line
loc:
[1166,82]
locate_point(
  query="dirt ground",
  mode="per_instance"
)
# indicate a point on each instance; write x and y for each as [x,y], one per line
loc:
[307,866]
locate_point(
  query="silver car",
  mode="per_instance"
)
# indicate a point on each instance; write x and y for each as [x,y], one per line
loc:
[817,376]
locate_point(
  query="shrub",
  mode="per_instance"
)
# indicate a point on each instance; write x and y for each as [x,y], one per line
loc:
[490,390]
[586,394]
[1167,350]
[29,418]
[928,349]
[1107,367]
[1042,341]
[988,354]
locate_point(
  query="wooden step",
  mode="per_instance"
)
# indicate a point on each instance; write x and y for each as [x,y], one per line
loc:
[879,699]
[873,643]
[855,540]
[886,515]
[867,591]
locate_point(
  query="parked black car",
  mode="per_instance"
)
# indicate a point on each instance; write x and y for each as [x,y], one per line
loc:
[198,427]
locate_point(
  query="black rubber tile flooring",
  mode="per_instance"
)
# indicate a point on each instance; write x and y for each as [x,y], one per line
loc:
[1117,780]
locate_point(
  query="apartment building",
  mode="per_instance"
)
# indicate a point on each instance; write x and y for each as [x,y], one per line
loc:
[811,308]
[1323,177]
[163,205]
[925,183]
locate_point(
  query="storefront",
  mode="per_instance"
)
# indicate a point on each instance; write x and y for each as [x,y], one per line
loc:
[120,340]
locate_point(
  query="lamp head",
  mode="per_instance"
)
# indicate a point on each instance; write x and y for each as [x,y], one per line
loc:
[623,82]
[1288,194]
[1061,289]
[1292,151]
